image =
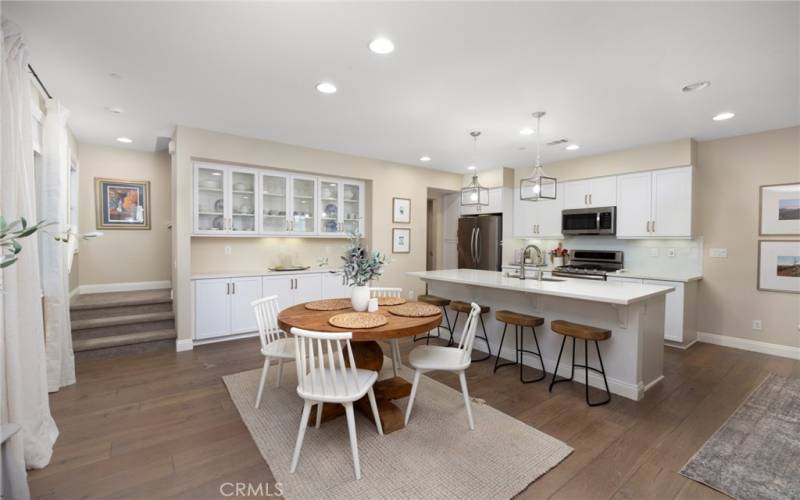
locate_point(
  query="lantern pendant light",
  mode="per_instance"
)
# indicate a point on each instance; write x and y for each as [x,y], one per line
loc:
[474,195]
[538,186]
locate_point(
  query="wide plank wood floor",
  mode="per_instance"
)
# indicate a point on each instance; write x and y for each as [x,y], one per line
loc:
[161,425]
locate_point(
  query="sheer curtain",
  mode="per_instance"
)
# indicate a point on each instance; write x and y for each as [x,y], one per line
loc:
[54,204]
[24,377]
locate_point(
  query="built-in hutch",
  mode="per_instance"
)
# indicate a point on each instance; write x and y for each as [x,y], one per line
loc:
[231,200]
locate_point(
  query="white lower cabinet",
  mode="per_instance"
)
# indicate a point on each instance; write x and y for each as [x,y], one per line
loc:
[334,286]
[679,308]
[222,306]
[293,289]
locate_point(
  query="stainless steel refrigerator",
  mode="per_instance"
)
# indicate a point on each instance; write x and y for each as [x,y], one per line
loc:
[480,239]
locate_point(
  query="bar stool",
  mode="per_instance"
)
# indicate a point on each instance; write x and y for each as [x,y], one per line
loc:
[520,321]
[462,307]
[587,333]
[438,302]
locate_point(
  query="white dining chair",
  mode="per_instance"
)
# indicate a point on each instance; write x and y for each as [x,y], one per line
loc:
[322,381]
[455,359]
[275,344]
[393,343]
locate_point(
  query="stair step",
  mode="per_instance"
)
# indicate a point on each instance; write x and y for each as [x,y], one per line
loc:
[127,310]
[84,324]
[120,299]
[91,344]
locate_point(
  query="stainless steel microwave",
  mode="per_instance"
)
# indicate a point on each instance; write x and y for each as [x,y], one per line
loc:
[602,220]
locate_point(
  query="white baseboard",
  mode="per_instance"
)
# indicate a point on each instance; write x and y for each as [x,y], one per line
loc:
[783,351]
[184,345]
[125,287]
[75,291]
[676,345]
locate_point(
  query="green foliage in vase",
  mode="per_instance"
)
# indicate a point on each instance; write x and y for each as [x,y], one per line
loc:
[361,266]
[10,233]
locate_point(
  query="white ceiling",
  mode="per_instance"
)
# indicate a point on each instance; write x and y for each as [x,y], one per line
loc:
[609,75]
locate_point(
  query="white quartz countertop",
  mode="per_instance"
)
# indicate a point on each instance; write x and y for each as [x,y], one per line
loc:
[630,273]
[610,292]
[261,272]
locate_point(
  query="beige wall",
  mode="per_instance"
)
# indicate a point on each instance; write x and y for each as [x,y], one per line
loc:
[387,180]
[124,255]
[729,175]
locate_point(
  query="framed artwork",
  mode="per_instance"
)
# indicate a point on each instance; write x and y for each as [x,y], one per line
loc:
[122,204]
[779,210]
[779,266]
[401,210]
[401,240]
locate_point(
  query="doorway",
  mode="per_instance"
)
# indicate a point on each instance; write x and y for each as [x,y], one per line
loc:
[430,253]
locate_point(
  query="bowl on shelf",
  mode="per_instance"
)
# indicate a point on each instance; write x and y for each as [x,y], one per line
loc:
[240,186]
[209,184]
[219,205]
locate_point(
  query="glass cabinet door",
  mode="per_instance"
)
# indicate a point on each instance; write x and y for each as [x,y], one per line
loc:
[274,203]
[353,208]
[243,202]
[329,203]
[303,205]
[210,200]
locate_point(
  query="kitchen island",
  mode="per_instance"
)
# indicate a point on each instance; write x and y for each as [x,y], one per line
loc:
[633,356]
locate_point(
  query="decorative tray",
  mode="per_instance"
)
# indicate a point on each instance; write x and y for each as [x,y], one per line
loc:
[358,321]
[289,268]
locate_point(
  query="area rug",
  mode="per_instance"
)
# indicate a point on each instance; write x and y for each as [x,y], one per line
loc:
[436,456]
[755,454]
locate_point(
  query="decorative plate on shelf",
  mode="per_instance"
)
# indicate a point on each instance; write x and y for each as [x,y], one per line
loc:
[218,222]
[330,226]
[219,205]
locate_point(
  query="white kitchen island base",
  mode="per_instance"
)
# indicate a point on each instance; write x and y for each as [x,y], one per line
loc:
[633,356]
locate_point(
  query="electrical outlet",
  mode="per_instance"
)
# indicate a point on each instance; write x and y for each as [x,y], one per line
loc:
[670,252]
[654,252]
[757,324]
[227,249]
[718,253]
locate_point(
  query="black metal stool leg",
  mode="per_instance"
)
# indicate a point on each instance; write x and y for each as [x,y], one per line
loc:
[556,380]
[485,338]
[521,350]
[497,363]
[601,371]
[428,335]
[450,328]
[455,325]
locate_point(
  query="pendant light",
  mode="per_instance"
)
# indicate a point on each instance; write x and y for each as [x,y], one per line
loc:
[538,186]
[474,195]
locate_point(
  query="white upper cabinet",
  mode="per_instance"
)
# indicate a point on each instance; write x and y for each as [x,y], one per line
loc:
[231,200]
[598,192]
[633,205]
[538,219]
[655,204]
[495,205]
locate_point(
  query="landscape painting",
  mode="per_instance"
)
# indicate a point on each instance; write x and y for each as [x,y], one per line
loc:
[779,266]
[789,209]
[122,204]
[779,210]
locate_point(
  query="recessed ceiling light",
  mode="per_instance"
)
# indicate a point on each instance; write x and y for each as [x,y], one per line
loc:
[115,76]
[573,147]
[115,110]
[381,46]
[696,86]
[471,167]
[424,158]
[726,115]
[527,131]
[326,88]
[124,140]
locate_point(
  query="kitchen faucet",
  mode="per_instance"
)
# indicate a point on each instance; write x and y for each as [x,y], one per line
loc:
[539,258]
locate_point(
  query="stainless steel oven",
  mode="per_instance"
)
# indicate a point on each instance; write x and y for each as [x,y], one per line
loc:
[602,220]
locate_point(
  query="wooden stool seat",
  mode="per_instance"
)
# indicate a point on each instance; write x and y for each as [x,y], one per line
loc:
[434,300]
[577,330]
[520,319]
[463,307]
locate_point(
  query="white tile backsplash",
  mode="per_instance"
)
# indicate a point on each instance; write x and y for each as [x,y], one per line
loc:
[645,256]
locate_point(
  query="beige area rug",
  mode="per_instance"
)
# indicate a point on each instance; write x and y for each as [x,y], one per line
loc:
[436,456]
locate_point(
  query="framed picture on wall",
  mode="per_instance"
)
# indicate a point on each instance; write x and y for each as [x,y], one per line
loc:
[779,266]
[122,204]
[401,240]
[401,210]
[779,210]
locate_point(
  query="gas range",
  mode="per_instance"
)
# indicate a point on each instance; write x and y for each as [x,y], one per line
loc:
[591,264]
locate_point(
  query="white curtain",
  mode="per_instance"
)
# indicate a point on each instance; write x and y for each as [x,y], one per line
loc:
[24,377]
[54,204]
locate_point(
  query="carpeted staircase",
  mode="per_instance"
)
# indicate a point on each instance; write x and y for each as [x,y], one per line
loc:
[110,324]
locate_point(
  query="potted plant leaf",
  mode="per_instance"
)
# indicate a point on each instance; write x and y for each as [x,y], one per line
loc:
[361,266]
[10,233]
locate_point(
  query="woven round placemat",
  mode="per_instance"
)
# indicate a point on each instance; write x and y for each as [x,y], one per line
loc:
[358,321]
[391,301]
[415,310]
[329,305]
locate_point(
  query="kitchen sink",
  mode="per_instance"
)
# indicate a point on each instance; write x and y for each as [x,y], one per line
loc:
[532,278]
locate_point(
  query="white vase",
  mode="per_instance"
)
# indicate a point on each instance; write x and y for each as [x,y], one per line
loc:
[360,298]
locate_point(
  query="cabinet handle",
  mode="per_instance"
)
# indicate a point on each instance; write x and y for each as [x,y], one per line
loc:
[227,288]
[653,227]
[233,286]
[590,199]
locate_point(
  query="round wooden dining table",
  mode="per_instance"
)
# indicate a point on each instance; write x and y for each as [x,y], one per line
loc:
[367,354]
